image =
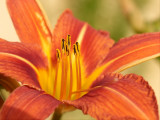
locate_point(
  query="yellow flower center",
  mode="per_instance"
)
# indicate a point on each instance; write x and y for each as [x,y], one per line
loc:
[62,79]
[66,79]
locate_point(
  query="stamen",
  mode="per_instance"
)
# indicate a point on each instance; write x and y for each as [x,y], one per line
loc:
[63,81]
[79,69]
[69,41]
[71,77]
[77,45]
[58,54]
[67,50]
[63,45]
[70,65]
[68,44]
[74,49]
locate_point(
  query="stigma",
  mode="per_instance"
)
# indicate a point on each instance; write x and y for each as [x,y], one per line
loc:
[67,75]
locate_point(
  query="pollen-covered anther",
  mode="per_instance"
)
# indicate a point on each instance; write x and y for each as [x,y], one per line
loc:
[58,55]
[75,49]
[67,69]
[63,45]
[77,46]
[69,41]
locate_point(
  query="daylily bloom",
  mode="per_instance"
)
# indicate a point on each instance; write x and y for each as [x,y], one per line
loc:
[75,66]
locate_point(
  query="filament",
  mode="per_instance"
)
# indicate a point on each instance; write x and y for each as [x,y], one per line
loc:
[56,74]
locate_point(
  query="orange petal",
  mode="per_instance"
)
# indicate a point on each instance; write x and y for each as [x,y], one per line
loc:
[29,22]
[30,52]
[133,50]
[20,69]
[94,48]
[27,103]
[2,40]
[119,97]
[94,45]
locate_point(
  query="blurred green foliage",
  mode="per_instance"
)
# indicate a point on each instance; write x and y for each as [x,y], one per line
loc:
[86,10]
[104,15]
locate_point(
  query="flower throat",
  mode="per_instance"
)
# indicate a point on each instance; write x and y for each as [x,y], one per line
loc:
[68,71]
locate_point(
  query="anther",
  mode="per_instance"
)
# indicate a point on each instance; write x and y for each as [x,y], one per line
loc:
[77,45]
[58,55]
[67,50]
[69,40]
[68,44]
[63,45]
[75,49]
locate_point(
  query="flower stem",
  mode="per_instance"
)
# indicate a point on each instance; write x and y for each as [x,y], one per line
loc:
[57,114]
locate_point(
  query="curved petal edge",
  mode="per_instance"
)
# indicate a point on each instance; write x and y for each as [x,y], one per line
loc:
[131,51]
[114,96]
[28,103]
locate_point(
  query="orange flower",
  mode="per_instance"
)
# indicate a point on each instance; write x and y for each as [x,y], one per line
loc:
[55,72]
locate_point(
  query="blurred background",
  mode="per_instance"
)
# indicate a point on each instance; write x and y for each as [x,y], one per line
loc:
[121,18]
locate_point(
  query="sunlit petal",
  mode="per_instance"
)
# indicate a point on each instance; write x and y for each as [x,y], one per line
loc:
[28,103]
[133,50]
[128,52]
[20,69]
[30,52]
[29,22]
[119,97]
[94,48]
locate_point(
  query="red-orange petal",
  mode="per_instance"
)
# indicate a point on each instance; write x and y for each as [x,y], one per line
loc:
[119,97]
[19,69]
[133,50]
[29,22]
[94,45]
[26,103]
[94,48]
[30,52]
